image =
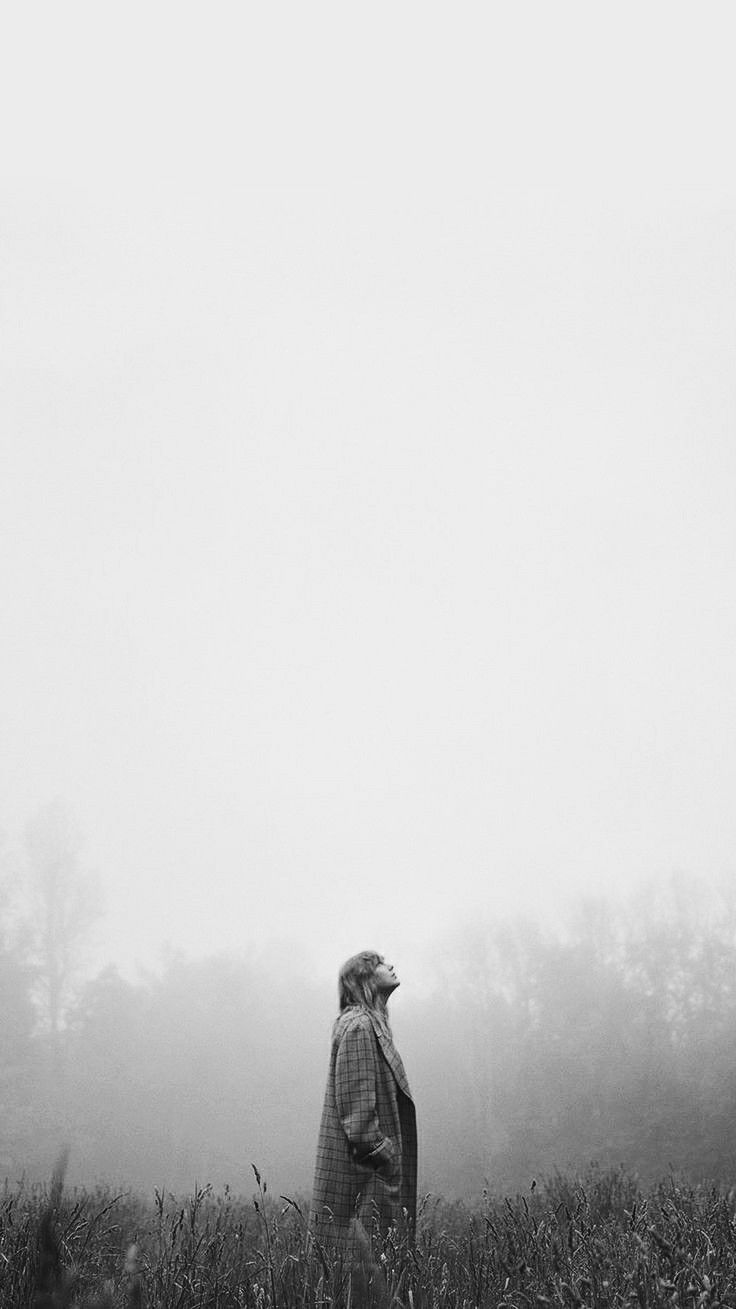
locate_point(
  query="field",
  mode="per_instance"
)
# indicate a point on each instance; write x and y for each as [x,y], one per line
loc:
[595,1241]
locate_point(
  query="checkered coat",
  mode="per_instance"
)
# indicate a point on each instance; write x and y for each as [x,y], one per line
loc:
[367,1150]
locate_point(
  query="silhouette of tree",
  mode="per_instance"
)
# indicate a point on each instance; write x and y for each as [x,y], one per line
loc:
[614,1040]
[17,1019]
[64,904]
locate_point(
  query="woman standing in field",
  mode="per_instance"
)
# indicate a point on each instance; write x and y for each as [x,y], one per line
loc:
[366,1173]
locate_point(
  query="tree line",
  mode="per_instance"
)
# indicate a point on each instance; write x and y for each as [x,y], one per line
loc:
[611,1038]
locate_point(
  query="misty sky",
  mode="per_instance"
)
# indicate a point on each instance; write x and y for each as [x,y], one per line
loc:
[368,463]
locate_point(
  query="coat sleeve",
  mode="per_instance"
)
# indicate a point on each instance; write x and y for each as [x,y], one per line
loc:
[355,1096]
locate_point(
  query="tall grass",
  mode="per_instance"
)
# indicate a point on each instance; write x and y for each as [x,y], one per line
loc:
[592,1241]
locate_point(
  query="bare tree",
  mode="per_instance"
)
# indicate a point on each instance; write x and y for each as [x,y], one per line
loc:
[64,904]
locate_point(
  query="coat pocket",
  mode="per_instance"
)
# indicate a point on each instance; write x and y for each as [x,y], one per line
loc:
[383,1160]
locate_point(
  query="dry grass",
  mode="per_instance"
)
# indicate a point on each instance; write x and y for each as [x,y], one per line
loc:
[598,1241]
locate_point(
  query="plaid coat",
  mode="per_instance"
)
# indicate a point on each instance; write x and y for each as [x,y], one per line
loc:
[367,1150]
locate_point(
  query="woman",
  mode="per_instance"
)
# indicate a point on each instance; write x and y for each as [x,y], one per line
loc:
[366,1173]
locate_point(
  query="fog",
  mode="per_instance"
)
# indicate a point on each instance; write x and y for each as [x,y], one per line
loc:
[367,474]
[609,1040]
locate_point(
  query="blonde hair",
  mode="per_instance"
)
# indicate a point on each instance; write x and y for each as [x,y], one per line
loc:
[356,985]
[356,982]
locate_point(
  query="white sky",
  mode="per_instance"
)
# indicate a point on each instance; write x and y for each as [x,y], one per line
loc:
[367,533]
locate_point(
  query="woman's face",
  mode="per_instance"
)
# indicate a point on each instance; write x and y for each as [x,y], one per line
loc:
[386,978]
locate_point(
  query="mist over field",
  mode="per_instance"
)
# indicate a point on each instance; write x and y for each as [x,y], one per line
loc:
[610,1038]
[367,580]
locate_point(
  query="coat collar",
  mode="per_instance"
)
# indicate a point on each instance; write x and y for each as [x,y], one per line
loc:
[391,1055]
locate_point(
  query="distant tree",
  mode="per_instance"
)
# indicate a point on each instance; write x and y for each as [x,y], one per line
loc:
[194,1072]
[681,950]
[64,903]
[613,1039]
[681,955]
[17,1018]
